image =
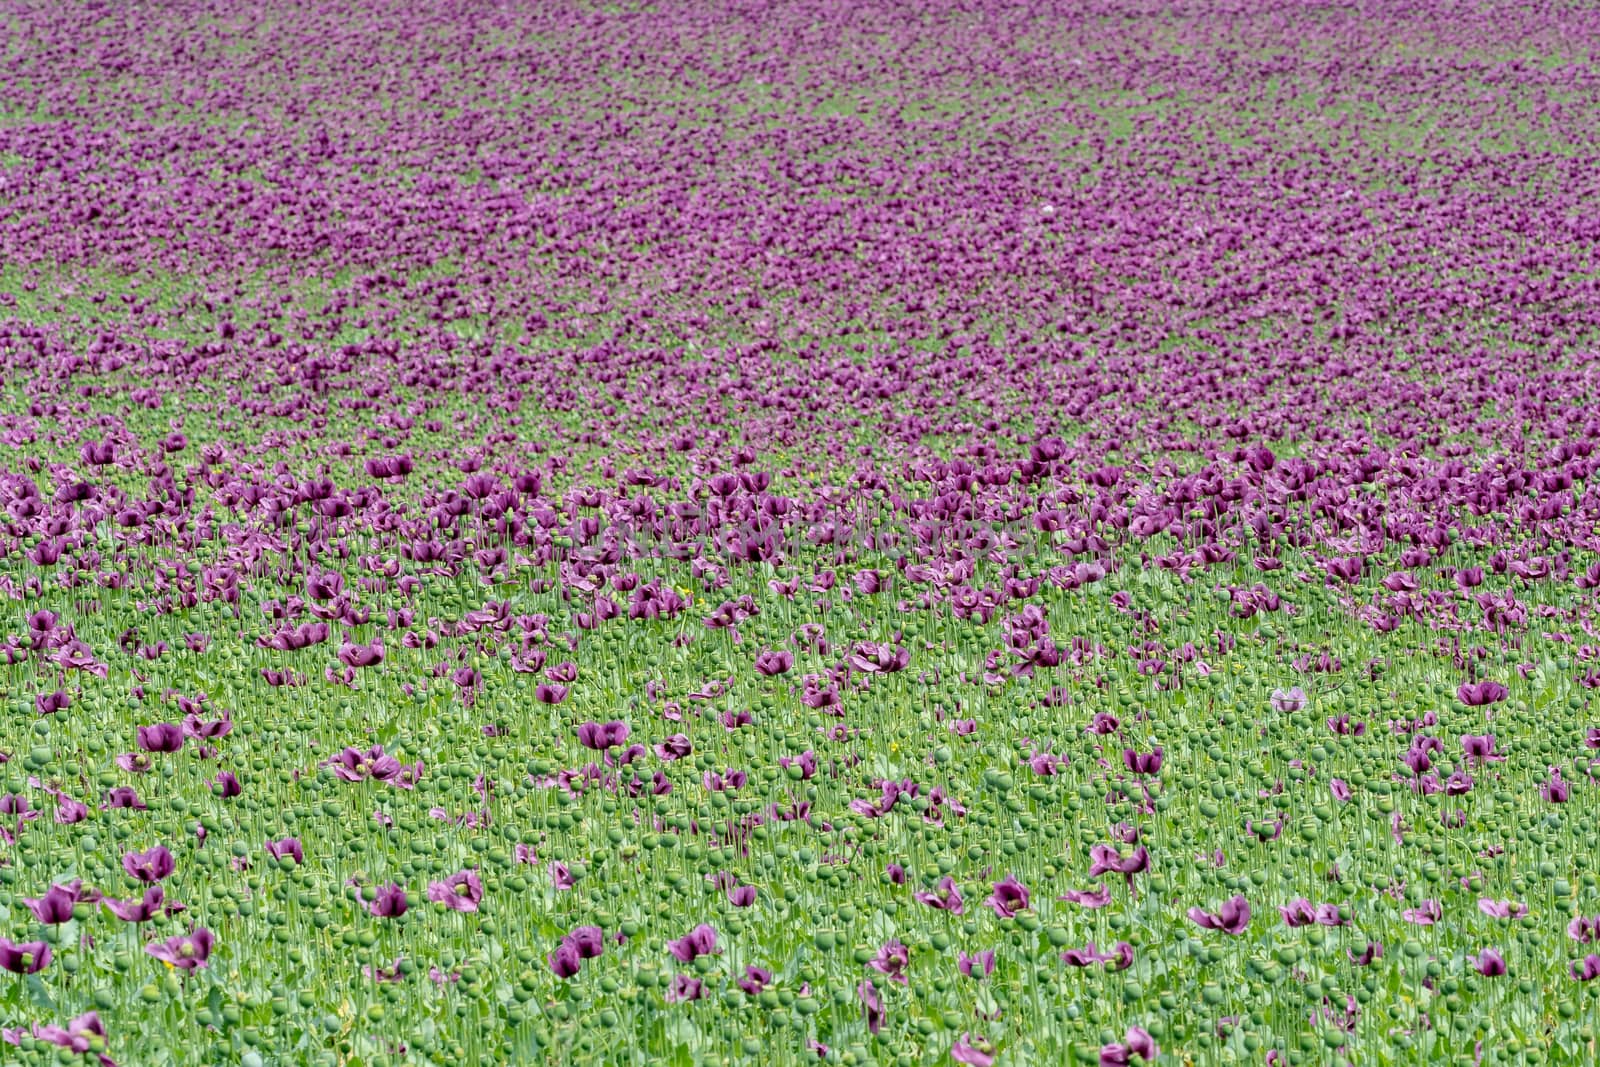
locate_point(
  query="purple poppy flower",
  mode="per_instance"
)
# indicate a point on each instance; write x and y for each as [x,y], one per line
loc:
[1083,957]
[896,873]
[774,663]
[1288,700]
[1373,951]
[1478,694]
[286,849]
[1555,790]
[1137,1042]
[187,953]
[1233,917]
[871,1005]
[1489,963]
[123,796]
[29,957]
[150,866]
[134,762]
[1588,970]
[70,811]
[55,907]
[565,961]
[1298,912]
[741,896]
[982,963]
[138,911]
[945,897]
[1426,915]
[755,979]
[83,1034]
[462,891]
[161,737]
[965,1051]
[1098,897]
[892,960]
[1583,929]
[806,762]
[1010,896]
[1502,909]
[50,703]
[701,941]
[227,785]
[560,876]
[602,736]
[390,903]
[675,747]
[872,658]
[1143,763]
[684,989]
[545,693]
[588,941]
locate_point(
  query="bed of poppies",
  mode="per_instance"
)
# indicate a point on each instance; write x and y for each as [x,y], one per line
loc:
[867,533]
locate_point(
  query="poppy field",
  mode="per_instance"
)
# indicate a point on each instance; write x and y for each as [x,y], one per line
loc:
[889,533]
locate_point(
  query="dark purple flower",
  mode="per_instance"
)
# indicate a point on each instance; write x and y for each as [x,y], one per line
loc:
[602,736]
[123,796]
[565,961]
[227,785]
[187,953]
[755,979]
[892,960]
[55,906]
[560,876]
[945,897]
[1426,915]
[1143,762]
[773,663]
[982,964]
[390,903]
[871,1005]
[684,988]
[462,891]
[1231,919]
[701,941]
[675,747]
[1010,896]
[69,811]
[1373,951]
[150,866]
[83,1034]
[285,849]
[206,729]
[1137,1042]
[1477,694]
[965,1052]
[588,941]
[1489,963]
[29,957]
[138,911]
[134,762]
[161,737]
